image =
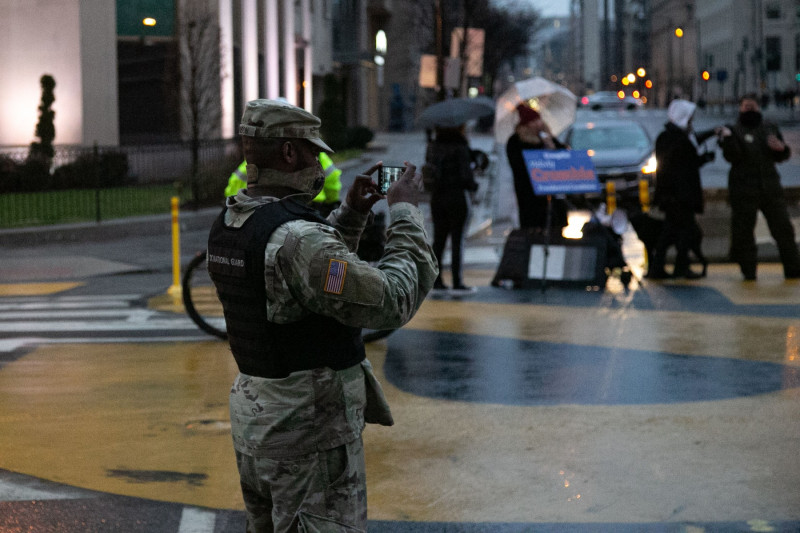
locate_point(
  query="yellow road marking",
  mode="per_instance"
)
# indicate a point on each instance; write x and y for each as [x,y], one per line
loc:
[36,289]
[83,414]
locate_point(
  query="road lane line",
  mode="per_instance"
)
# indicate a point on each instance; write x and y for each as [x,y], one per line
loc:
[19,492]
[194,520]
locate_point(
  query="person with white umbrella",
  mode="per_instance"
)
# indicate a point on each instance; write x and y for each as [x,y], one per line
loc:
[532,133]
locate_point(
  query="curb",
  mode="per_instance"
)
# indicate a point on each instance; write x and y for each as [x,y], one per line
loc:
[200,219]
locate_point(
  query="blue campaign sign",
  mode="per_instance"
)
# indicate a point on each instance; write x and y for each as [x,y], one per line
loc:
[561,171]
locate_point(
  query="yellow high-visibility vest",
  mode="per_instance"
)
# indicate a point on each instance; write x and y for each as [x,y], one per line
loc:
[333,184]
[238,180]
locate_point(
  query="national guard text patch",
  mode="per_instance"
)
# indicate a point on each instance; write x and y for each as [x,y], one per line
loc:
[334,281]
[227,262]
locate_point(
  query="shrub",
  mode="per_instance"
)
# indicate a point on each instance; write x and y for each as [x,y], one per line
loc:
[359,137]
[9,174]
[33,175]
[332,114]
[212,178]
[109,169]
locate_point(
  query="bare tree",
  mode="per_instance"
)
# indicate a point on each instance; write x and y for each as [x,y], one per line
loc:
[200,69]
[473,12]
[508,29]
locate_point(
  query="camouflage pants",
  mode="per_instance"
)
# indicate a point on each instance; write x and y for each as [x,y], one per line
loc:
[324,492]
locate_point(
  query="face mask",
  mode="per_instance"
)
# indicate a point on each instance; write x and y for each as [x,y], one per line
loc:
[319,180]
[750,119]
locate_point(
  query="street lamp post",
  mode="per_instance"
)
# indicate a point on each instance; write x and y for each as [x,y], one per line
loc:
[439,51]
[670,67]
[681,72]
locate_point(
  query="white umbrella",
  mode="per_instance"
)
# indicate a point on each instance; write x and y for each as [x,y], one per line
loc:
[554,102]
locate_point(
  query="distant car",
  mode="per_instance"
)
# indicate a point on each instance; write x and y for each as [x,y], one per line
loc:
[609,100]
[621,150]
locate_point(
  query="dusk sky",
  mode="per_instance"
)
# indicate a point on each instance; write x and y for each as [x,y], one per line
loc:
[551,8]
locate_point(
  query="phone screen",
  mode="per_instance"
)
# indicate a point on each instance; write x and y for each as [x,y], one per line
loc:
[387,175]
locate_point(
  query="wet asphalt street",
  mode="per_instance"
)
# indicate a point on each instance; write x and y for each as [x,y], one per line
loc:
[668,406]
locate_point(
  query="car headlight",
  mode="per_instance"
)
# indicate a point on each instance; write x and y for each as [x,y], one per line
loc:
[650,166]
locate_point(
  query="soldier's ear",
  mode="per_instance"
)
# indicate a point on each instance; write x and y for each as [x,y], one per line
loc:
[289,152]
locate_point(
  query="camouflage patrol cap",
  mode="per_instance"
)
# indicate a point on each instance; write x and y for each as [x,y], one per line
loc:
[276,119]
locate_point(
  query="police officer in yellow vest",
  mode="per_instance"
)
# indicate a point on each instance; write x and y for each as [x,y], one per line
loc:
[238,180]
[328,198]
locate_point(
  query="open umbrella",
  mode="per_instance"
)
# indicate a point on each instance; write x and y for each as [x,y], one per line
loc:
[555,103]
[455,112]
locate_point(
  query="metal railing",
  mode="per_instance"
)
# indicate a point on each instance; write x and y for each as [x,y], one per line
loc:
[154,174]
[153,163]
[83,205]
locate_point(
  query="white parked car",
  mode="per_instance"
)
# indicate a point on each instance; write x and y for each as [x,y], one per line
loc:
[609,100]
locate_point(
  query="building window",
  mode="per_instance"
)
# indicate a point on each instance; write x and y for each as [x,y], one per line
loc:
[797,52]
[772,10]
[773,45]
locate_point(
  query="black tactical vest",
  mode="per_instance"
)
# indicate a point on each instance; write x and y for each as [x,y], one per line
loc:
[260,347]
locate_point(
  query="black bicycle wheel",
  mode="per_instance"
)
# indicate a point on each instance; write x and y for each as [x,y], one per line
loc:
[200,298]
[204,308]
[371,335]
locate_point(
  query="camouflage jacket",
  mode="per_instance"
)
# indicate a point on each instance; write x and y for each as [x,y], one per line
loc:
[321,409]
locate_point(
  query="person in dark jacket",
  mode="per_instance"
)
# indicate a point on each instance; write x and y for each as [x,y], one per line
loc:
[752,146]
[449,152]
[532,133]
[679,192]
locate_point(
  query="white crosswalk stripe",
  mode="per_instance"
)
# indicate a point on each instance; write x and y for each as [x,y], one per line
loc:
[91,318]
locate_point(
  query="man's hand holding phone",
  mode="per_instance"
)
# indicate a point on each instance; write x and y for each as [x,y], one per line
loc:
[388,175]
[406,188]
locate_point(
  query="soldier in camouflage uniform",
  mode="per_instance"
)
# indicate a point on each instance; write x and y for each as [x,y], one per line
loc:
[295,296]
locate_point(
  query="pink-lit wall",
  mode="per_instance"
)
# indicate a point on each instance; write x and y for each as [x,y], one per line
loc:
[75,42]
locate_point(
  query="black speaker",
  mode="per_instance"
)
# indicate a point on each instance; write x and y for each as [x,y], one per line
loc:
[569,261]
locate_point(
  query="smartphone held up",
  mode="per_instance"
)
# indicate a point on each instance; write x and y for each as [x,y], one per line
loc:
[387,175]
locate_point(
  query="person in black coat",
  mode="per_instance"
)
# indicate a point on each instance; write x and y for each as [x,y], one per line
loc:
[753,146]
[532,133]
[450,153]
[679,192]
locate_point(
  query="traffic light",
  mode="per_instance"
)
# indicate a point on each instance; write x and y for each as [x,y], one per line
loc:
[706,75]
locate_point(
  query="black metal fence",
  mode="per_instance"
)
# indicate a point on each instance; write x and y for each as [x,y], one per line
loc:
[84,205]
[154,174]
[147,164]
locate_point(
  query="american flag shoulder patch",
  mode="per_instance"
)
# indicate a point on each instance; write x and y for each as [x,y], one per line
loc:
[334,281]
